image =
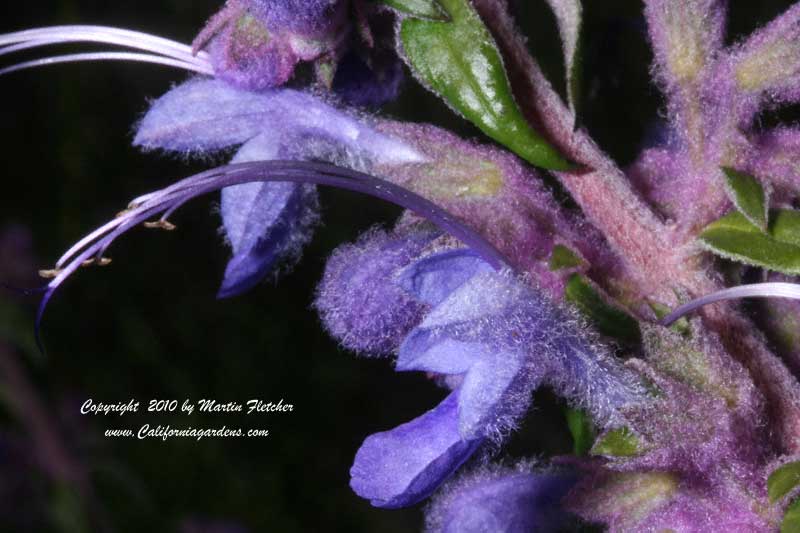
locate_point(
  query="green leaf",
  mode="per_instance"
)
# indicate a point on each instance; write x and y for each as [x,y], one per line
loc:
[569,17]
[427,9]
[582,430]
[609,320]
[782,480]
[748,196]
[620,442]
[735,237]
[791,519]
[562,258]
[681,325]
[459,61]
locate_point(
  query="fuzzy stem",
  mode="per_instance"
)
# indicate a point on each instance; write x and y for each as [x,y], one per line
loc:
[658,257]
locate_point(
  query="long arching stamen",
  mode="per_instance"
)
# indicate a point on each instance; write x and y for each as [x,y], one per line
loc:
[99,240]
[108,56]
[161,51]
[103,35]
[756,290]
[140,203]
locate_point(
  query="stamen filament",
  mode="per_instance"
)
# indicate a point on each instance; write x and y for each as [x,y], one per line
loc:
[109,56]
[756,290]
[104,35]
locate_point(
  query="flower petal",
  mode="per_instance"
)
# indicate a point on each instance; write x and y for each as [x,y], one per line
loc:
[433,278]
[203,115]
[507,501]
[402,466]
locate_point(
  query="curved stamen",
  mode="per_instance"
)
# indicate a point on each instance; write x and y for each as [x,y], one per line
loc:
[140,203]
[103,35]
[756,290]
[97,242]
[109,56]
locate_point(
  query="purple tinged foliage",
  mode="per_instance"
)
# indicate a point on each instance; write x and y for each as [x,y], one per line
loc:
[772,157]
[768,63]
[403,466]
[500,499]
[661,501]
[686,35]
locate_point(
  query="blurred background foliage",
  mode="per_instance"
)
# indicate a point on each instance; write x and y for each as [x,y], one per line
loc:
[149,327]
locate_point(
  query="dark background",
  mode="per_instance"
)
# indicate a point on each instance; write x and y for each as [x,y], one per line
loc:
[149,327]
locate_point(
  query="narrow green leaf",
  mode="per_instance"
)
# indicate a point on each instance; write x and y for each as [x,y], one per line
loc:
[427,9]
[681,325]
[791,519]
[782,480]
[459,61]
[620,442]
[562,257]
[735,237]
[582,430]
[748,196]
[609,320]
[569,17]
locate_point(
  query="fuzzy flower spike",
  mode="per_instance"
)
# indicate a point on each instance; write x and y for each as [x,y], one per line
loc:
[488,284]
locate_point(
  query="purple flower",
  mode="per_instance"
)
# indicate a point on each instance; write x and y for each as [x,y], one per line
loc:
[403,466]
[264,223]
[500,499]
[358,299]
[502,338]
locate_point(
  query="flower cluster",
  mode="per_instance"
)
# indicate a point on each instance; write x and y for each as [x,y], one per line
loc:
[488,283]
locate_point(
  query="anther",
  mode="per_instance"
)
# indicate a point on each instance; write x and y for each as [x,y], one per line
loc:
[160,224]
[50,274]
[101,261]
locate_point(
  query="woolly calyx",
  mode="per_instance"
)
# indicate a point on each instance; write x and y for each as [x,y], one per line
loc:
[309,18]
[500,499]
[769,61]
[685,37]
[661,501]
[498,196]
[256,45]
[403,466]
[772,157]
[358,299]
